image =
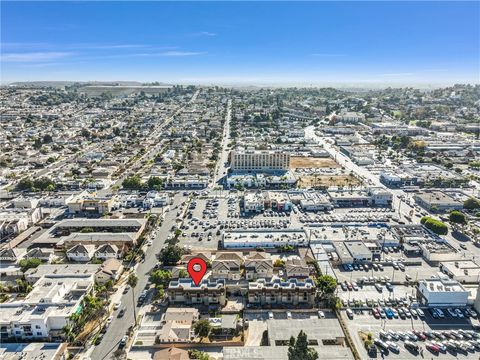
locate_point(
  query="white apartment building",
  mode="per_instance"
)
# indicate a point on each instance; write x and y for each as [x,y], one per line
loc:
[46,309]
[259,160]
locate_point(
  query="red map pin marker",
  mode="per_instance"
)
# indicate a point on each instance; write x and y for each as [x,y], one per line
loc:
[197,268]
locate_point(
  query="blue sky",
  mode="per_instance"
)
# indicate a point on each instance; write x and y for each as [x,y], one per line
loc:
[242,42]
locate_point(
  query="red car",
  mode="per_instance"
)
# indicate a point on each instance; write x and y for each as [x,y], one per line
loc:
[432,347]
[376,314]
[420,335]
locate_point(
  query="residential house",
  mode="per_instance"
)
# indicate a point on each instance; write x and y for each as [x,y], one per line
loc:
[227,266]
[111,269]
[297,268]
[45,255]
[208,292]
[205,256]
[81,253]
[10,255]
[107,251]
[171,354]
[277,292]
[258,265]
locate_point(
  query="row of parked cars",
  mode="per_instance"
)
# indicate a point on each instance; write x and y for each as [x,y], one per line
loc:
[435,341]
[362,267]
[438,313]
[395,313]
[371,303]
[258,224]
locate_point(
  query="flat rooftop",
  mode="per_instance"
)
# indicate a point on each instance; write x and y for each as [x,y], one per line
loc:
[30,351]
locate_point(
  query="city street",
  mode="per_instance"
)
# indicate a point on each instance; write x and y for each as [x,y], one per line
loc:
[119,326]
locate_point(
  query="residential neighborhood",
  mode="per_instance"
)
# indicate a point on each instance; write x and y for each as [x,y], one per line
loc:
[319,209]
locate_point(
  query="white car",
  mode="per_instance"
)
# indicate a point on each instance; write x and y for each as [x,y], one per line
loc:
[289,315]
[270,315]
[321,314]
[109,320]
[116,305]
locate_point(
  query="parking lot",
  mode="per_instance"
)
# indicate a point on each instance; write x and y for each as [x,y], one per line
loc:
[387,270]
[364,323]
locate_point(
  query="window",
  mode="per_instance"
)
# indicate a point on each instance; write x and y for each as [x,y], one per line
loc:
[39,333]
[37,327]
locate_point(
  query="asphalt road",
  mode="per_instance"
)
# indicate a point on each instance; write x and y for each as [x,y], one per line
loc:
[220,169]
[119,326]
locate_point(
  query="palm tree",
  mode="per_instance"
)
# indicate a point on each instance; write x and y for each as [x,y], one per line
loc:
[132,282]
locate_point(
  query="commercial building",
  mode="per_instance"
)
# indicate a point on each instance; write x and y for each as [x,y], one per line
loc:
[259,160]
[353,252]
[437,201]
[350,117]
[463,271]
[253,202]
[310,200]
[442,292]
[278,201]
[397,179]
[367,197]
[86,204]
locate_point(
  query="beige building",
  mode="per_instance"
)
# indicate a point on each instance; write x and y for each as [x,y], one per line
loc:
[208,292]
[258,265]
[259,160]
[277,292]
[90,205]
[227,266]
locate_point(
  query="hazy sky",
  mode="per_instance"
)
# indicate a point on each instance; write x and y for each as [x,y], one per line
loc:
[245,42]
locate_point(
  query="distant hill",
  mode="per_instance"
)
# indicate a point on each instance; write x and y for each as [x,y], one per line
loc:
[61,84]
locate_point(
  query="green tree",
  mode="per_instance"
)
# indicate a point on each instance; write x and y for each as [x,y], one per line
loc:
[182,274]
[132,280]
[299,350]
[161,277]
[31,263]
[155,183]
[198,355]
[171,255]
[202,328]
[326,284]
[434,225]
[457,217]
[133,183]
[47,138]
[25,184]
[471,204]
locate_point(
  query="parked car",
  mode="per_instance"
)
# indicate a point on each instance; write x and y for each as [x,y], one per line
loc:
[432,347]
[123,342]
[411,346]
[349,313]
